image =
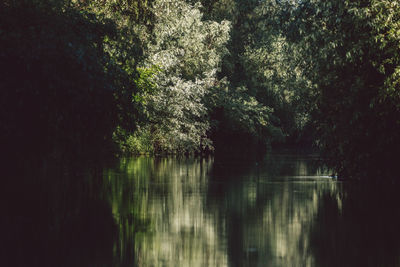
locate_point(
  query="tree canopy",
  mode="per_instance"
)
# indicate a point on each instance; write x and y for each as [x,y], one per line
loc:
[182,76]
[351,54]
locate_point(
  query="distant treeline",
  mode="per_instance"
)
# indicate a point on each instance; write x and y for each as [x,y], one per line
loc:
[83,78]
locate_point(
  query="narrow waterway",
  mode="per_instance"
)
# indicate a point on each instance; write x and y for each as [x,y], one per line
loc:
[280,210]
[277,210]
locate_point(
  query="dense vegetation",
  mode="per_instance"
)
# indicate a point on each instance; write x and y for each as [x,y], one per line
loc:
[83,78]
[350,52]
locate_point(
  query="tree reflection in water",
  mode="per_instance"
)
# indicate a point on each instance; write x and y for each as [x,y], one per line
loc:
[278,211]
[269,214]
[275,211]
[170,197]
[226,212]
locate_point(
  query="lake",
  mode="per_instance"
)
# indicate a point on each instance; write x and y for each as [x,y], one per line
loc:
[281,209]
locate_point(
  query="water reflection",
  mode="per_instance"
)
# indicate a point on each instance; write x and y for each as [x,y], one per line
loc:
[268,215]
[228,212]
[277,210]
[281,210]
[170,194]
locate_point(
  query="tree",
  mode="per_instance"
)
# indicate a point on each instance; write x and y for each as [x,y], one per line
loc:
[259,68]
[61,92]
[188,53]
[351,54]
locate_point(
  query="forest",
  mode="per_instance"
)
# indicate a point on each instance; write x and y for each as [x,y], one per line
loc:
[86,79]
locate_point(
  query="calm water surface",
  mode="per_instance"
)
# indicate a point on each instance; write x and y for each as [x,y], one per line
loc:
[281,210]
[278,210]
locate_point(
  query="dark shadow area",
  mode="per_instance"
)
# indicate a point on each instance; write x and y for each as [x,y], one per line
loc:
[62,218]
[362,231]
[55,220]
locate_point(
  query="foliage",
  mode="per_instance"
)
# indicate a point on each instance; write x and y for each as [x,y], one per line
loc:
[58,86]
[188,52]
[259,67]
[351,52]
[139,142]
[132,20]
[237,116]
[180,76]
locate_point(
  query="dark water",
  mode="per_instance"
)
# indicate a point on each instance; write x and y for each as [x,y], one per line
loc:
[279,210]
